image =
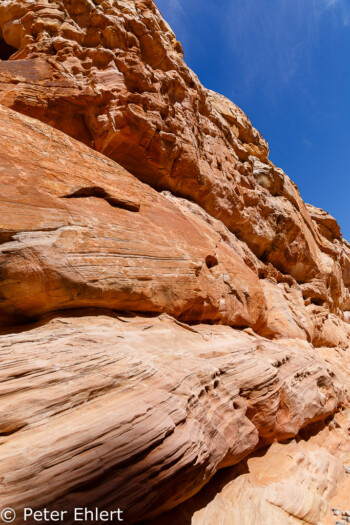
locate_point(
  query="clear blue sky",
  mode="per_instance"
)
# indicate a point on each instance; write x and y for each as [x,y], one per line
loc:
[286,63]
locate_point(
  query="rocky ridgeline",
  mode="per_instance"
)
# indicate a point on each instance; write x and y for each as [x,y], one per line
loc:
[169,305]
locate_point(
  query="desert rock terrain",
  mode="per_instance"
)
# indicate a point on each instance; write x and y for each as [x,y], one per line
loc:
[174,319]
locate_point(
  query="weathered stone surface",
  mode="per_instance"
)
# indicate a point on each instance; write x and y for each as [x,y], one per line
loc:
[112,75]
[285,484]
[286,312]
[125,422]
[157,198]
[78,231]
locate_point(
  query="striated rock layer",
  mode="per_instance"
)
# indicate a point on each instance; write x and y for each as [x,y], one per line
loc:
[125,422]
[112,75]
[288,483]
[190,310]
[78,230]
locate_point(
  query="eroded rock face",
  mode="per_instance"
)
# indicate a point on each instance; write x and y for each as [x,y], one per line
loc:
[112,75]
[123,419]
[285,484]
[156,196]
[77,230]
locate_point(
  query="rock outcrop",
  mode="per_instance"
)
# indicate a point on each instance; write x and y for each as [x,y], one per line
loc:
[77,230]
[169,306]
[125,422]
[286,483]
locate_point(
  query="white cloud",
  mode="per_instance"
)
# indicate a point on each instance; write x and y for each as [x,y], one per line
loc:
[330,3]
[274,47]
[174,9]
[341,10]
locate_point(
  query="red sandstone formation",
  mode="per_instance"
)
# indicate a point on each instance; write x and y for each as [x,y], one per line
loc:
[79,231]
[189,307]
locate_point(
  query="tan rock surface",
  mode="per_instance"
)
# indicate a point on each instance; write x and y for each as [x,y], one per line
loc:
[125,422]
[291,483]
[154,195]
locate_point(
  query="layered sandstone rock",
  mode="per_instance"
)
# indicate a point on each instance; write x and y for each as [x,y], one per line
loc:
[78,230]
[156,196]
[290,483]
[124,421]
[112,75]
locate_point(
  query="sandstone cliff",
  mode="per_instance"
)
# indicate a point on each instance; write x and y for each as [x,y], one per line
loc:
[169,305]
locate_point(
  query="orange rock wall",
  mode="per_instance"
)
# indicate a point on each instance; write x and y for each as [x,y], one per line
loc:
[132,193]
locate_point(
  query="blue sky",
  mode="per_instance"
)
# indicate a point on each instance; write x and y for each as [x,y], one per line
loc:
[286,64]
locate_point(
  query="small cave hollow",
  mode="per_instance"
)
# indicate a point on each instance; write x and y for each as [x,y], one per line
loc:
[211,261]
[100,193]
[6,51]
[317,301]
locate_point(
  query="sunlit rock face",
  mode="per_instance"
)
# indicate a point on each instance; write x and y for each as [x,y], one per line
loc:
[77,230]
[190,310]
[112,75]
[140,412]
